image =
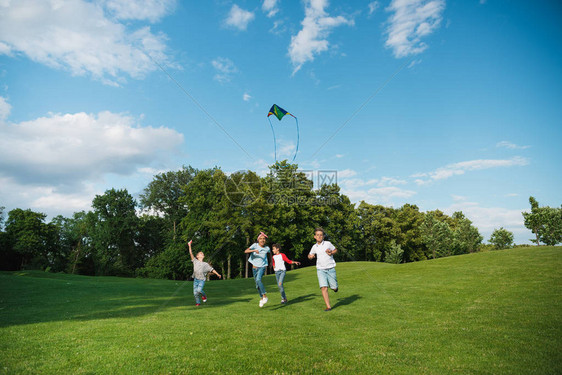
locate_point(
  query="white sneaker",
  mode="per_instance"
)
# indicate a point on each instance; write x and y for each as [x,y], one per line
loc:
[261,302]
[264,300]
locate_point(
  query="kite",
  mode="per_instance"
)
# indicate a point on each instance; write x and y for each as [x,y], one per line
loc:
[280,113]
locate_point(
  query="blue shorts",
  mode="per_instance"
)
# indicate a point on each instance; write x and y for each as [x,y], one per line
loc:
[327,278]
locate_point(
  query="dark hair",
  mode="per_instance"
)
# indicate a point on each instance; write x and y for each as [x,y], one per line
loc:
[320,229]
[276,245]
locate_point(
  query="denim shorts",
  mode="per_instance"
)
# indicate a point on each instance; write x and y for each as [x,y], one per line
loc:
[327,278]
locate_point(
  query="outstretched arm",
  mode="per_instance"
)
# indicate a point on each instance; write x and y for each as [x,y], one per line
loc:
[190,252]
[289,260]
[217,274]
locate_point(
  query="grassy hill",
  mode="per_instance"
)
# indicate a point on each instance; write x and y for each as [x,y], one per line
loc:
[492,312]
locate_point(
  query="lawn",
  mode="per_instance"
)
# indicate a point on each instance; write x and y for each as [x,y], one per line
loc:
[484,313]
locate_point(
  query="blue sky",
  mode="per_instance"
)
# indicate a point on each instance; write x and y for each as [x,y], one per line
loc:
[446,105]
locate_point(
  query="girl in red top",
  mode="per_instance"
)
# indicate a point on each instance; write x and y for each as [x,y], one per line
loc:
[279,260]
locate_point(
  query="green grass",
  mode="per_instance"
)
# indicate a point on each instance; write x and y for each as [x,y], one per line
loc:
[486,313]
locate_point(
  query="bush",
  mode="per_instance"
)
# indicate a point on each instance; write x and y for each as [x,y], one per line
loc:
[501,239]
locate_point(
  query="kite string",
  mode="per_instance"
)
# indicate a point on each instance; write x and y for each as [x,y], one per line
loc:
[199,105]
[298,138]
[274,140]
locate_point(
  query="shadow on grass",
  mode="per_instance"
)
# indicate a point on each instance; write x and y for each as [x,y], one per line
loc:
[31,299]
[346,301]
[299,299]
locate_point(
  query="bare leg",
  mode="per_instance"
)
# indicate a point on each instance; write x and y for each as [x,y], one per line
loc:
[326,297]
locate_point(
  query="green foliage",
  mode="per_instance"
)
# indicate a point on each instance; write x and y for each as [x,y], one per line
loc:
[395,253]
[163,193]
[544,222]
[173,263]
[501,239]
[446,236]
[114,225]
[29,239]
[223,215]
[437,234]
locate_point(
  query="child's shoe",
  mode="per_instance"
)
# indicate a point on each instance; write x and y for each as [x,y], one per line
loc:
[204,299]
[197,304]
[284,300]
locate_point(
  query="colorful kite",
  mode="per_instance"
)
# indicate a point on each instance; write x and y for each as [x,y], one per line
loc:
[279,113]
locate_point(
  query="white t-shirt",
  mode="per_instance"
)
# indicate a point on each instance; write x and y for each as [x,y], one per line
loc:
[279,262]
[323,260]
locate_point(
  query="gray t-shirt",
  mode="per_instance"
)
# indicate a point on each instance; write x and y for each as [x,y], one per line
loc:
[201,269]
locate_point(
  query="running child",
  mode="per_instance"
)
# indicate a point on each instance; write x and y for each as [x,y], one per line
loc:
[279,260]
[325,265]
[258,257]
[200,271]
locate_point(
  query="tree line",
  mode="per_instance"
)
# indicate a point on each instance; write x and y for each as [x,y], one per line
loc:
[223,213]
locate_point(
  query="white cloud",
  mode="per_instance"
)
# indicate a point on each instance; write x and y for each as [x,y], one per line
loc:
[151,10]
[246,97]
[414,63]
[411,20]
[373,6]
[278,27]
[5,109]
[389,181]
[285,149]
[239,18]
[486,219]
[54,163]
[45,198]
[78,36]
[270,7]
[225,69]
[512,146]
[462,167]
[390,195]
[63,150]
[312,38]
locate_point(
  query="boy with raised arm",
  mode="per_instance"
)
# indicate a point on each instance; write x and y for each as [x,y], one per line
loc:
[200,271]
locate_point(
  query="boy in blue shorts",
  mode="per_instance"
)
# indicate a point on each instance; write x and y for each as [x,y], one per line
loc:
[258,257]
[325,265]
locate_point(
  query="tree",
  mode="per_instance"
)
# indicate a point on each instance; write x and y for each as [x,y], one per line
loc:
[437,234]
[394,254]
[377,228]
[544,222]
[115,226]
[466,238]
[31,239]
[409,220]
[163,195]
[501,238]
